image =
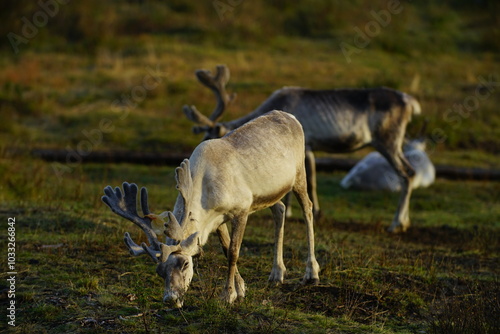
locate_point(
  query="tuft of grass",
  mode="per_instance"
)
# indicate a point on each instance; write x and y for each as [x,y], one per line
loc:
[474,311]
[46,313]
[86,285]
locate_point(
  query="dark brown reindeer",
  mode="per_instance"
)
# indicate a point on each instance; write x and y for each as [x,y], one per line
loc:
[337,120]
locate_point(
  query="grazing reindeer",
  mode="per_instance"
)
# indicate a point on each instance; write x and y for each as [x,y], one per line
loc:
[373,172]
[225,180]
[339,120]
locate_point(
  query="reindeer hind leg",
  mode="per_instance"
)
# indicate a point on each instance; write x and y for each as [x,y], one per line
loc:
[312,267]
[310,165]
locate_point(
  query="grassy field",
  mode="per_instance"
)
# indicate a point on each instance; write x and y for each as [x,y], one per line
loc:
[99,77]
[75,275]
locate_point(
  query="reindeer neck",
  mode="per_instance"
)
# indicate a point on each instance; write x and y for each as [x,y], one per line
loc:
[279,100]
[196,219]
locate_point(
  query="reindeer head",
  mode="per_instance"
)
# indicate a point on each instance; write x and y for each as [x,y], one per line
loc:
[174,258]
[217,83]
[176,268]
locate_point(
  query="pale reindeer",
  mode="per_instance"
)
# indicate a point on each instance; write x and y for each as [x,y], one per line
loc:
[224,180]
[373,172]
[338,120]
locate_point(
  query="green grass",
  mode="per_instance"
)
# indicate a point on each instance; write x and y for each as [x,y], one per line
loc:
[50,97]
[56,110]
[75,275]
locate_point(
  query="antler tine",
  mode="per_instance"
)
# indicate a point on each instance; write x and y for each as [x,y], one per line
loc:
[144,201]
[125,206]
[217,84]
[197,117]
[134,248]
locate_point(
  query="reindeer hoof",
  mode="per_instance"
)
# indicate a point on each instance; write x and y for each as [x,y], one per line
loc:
[240,287]
[277,275]
[311,276]
[228,297]
[398,228]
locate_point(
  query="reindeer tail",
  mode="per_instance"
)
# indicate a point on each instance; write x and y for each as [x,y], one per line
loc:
[412,103]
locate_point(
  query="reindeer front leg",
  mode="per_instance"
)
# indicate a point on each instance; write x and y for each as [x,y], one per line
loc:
[405,171]
[401,221]
[278,272]
[239,223]
[225,240]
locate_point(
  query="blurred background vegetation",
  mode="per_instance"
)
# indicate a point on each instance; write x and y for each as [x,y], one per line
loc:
[424,27]
[87,55]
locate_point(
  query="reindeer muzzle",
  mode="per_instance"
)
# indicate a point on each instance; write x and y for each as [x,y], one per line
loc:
[173,300]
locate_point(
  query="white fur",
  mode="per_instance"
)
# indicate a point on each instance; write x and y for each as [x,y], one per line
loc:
[373,172]
[227,179]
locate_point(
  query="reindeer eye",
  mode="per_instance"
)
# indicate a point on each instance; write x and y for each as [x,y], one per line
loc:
[185,265]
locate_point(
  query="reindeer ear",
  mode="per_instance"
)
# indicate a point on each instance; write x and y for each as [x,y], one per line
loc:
[185,187]
[190,245]
[184,181]
[166,250]
[173,229]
